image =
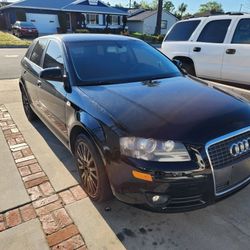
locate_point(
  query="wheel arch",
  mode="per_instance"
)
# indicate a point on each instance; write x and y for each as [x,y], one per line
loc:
[186,59]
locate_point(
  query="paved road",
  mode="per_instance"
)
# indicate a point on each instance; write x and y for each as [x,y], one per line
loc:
[10,63]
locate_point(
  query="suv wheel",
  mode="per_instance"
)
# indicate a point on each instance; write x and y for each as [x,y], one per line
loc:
[91,169]
[189,68]
[27,109]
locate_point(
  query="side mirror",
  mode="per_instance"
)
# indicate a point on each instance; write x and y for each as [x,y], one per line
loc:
[52,74]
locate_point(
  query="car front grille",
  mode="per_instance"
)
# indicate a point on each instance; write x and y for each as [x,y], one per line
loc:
[219,152]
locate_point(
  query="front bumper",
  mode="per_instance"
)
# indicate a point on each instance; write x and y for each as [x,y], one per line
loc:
[177,190]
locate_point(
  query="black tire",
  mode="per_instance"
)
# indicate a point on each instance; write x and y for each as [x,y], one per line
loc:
[94,179]
[189,68]
[27,109]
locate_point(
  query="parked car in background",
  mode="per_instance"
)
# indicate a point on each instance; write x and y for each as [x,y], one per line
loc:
[137,127]
[24,29]
[214,47]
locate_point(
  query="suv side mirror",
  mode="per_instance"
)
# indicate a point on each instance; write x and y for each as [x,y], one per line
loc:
[52,74]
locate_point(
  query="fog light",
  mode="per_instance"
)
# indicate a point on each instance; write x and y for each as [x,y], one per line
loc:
[159,199]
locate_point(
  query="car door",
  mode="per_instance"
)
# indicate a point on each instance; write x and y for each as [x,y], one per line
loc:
[31,70]
[237,55]
[207,52]
[52,94]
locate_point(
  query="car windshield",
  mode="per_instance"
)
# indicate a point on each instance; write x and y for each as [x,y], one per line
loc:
[100,62]
[28,25]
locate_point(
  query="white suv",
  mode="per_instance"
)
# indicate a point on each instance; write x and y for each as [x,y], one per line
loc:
[215,47]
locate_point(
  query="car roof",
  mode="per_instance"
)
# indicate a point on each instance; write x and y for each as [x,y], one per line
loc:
[88,37]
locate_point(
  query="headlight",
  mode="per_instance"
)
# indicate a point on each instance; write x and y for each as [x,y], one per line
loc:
[152,150]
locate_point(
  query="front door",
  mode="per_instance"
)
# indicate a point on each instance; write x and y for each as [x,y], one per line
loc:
[52,95]
[237,55]
[207,52]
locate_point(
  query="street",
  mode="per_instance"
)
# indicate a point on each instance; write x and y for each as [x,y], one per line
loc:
[10,63]
[224,225]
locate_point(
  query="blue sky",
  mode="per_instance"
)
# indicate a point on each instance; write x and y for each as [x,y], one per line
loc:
[193,5]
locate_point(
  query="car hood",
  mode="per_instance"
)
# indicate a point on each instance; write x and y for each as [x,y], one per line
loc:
[176,108]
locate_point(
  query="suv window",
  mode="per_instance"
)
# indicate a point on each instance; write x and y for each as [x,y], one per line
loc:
[38,51]
[214,31]
[242,32]
[53,56]
[182,31]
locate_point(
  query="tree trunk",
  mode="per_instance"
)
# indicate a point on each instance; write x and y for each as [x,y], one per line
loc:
[159,16]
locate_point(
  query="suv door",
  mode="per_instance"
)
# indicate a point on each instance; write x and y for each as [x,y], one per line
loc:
[31,70]
[236,55]
[52,94]
[207,52]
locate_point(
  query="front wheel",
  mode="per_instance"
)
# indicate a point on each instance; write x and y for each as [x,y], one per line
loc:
[189,68]
[91,169]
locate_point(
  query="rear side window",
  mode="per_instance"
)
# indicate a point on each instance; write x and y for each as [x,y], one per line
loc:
[38,51]
[182,31]
[53,56]
[242,32]
[214,31]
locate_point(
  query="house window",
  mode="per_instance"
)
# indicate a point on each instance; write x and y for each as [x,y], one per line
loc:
[164,24]
[114,20]
[92,19]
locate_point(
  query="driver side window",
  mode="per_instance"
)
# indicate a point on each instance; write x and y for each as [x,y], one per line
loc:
[53,56]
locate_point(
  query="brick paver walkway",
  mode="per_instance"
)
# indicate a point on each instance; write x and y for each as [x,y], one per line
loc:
[46,205]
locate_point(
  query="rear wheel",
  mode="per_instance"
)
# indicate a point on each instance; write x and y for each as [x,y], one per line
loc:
[27,109]
[91,169]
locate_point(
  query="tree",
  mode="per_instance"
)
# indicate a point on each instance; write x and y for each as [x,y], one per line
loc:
[211,6]
[168,6]
[181,10]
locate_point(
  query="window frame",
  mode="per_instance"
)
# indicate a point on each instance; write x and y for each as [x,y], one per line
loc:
[213,21]
[42,56]
[235,30]
[45,51]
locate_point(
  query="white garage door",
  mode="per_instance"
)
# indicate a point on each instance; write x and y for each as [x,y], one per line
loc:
[46,24]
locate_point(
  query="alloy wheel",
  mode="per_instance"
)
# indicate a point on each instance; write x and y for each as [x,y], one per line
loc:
[87,169]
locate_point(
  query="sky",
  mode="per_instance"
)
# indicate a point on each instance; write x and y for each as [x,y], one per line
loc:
[193,5]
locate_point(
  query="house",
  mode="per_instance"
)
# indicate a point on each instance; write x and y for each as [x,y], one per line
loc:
[144,21]
[49,15]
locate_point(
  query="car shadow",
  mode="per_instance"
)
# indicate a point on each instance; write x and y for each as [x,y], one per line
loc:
[225,225]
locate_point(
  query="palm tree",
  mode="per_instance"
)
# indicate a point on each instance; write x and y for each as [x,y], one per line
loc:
[182,9]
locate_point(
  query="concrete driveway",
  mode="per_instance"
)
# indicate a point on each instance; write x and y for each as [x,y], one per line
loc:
[10,63]
[225,225]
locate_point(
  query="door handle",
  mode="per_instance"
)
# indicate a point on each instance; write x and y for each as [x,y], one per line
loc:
[39,83]
[231,51]
[197,49]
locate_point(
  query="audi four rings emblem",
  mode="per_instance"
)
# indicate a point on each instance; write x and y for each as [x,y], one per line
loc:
[240,147]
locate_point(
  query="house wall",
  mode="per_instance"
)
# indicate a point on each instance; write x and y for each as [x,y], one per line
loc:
[150,23]
[134,26]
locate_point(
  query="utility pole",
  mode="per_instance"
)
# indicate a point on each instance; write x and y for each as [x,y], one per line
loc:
[159,16]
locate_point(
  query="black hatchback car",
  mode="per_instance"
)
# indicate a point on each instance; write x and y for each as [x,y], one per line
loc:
[137,126]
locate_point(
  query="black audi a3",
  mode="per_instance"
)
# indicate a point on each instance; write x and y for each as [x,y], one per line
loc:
[138,127]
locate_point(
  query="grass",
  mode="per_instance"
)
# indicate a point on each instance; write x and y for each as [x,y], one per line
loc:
[7,39]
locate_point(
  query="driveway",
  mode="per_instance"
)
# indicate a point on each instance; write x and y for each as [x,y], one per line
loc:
[224,225]
[10,63]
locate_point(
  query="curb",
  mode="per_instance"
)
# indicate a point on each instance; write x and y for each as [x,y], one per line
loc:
[14,46]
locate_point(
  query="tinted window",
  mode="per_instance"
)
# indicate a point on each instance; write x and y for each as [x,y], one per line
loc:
[26,24]
[53,56]
[182,31]
[118,61]
[242,32]
[38,51]
[214,31]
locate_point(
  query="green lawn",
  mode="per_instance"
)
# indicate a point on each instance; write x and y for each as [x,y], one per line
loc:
[7,39]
